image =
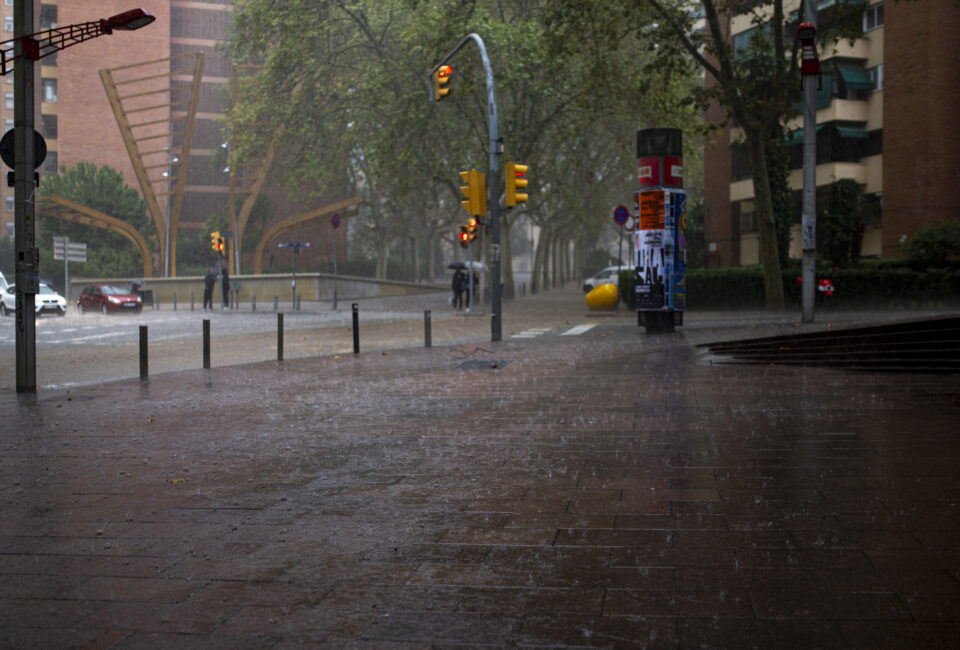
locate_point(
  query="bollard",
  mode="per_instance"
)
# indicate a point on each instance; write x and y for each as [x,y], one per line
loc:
[280,336]
[426,329]
[144,362]
[275,304]
[206,343]
[356,328]
[191,301]
[174,301]
[298,303]
[253,303]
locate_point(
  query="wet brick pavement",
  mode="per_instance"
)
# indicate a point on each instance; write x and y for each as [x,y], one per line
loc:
[609,489]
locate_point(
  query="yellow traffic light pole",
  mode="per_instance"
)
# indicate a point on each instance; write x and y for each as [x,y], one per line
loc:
[496,303]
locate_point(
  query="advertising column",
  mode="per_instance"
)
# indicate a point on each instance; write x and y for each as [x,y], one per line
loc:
[660,210]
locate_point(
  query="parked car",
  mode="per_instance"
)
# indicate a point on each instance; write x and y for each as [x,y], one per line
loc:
[108,298]
[47,301]
[3,282]
[606,276]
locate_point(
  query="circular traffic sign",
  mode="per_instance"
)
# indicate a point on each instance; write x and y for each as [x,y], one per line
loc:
[6,149]
[335,220]
[630,224]
[620,215]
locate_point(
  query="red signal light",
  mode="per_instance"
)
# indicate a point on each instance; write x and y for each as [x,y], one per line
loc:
[444,71]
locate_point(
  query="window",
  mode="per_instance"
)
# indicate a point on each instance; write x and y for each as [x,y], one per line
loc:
[8,23]
[50,91]
[873,17]
[876,76]
[10,100]
[748,223]
[48,16]
[9,3]
[49,126]
[8,124]
[11,229]
[9,203]
[50,163]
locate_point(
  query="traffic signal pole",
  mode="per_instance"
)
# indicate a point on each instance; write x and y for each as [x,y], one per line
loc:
[496,303]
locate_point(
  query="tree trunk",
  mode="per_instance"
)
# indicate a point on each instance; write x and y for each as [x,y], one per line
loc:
[766,222]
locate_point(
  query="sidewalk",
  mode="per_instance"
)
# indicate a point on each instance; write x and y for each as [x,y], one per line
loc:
[607,489]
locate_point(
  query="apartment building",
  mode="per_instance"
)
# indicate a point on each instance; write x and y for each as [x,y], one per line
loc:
[886,116]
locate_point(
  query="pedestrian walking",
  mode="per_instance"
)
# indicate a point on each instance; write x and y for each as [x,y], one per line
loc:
[225,287]
[209,280]
[458,281]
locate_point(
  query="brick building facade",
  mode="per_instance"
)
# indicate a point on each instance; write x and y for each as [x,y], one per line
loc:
[885,117]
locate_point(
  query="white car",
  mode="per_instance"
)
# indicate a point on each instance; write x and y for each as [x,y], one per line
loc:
[47,301]
[606,276]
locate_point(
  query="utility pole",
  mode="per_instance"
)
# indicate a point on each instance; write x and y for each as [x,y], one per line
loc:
[810,70]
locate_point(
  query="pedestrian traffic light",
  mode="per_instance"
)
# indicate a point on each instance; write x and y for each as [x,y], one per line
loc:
[440,80]
[216,242]
[515,181]
[476,192]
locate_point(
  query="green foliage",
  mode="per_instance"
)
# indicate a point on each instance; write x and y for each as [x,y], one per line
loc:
[108,254]
[936,246]
[696,242]
[841,225]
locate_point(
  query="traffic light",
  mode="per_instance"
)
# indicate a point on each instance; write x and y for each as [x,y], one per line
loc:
[476,192]
[440,80]
[216,242]
[515,181]
[464,237]
[472,228]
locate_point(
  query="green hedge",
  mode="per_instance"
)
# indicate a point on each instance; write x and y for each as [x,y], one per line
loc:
[742,288]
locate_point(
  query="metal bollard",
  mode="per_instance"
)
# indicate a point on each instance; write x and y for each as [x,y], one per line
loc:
[191,301]
[206,342]
[298,303]
[174,301]
[253,303]
[280,336]
[275,303]
[356,328]
[144,361]
[426,329]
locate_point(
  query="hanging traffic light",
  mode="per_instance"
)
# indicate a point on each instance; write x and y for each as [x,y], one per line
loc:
[476,192]
[440,80]
[515,181]
[216,242]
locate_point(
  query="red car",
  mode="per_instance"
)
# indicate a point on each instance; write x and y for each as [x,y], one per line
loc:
[107,298]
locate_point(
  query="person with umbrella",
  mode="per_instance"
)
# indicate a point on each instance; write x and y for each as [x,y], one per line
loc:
[209,280]
[458,280]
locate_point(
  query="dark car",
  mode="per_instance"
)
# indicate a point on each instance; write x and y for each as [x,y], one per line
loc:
[107,298]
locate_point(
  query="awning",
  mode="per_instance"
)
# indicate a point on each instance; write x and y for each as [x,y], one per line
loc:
[848,132]
[852,132]
[855,78]
[796,137]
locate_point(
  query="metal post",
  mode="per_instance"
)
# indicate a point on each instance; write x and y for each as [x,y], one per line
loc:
[619,265]
[470,279]
[293,256]
[427,342]
[809,218]
[66,270]
[191,301]
[27,261]
[144,362]
[356,329]
[276,301]
[280,336]
[253,303]
[206,342]
[334,269]
[174,301]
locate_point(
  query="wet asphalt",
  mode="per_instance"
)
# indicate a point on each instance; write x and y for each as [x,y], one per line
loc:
[596,488]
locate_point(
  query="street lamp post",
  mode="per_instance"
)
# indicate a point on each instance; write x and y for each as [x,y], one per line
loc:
[496,312]
[26,47]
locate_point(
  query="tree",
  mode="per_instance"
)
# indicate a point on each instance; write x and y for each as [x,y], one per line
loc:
[356,117]
[108,254]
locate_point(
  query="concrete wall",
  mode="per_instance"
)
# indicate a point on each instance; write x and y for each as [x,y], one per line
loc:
[310,287]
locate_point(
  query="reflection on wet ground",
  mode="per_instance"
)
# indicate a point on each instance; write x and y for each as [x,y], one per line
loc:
[603,489]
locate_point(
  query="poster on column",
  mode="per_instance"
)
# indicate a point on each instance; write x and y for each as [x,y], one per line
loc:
[651,263]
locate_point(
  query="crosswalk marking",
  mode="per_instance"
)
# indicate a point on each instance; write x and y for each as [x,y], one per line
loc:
[579,329]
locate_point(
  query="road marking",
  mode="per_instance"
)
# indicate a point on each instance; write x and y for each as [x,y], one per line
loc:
[531,333]
[579,329]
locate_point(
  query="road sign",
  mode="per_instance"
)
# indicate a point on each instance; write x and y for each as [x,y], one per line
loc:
[39,149]
[64,249]
[620,215]
[335,220]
